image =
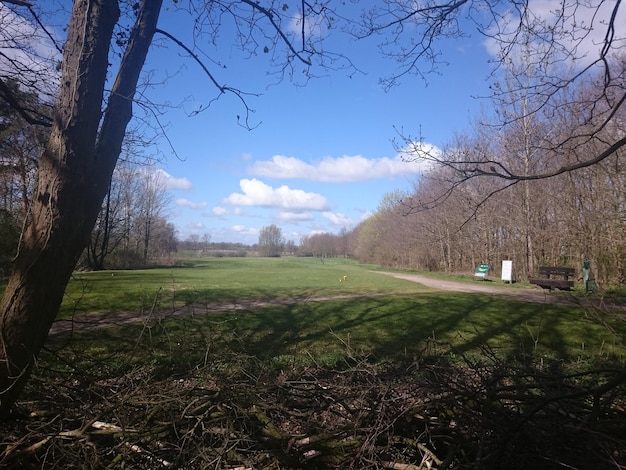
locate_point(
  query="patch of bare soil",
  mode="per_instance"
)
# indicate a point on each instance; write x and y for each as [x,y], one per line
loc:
[534,294]
[96,320]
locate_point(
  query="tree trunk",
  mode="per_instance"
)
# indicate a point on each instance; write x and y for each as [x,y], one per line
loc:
[74,174]
[98,247]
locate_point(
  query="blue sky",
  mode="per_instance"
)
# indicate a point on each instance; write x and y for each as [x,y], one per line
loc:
[320,157]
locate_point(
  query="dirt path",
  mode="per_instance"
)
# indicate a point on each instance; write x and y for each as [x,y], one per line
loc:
[489,287]
[96,320]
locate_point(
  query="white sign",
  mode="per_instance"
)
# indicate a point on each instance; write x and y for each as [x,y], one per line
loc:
[507,270]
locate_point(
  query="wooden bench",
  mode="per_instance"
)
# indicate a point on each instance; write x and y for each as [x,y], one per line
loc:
[547,281]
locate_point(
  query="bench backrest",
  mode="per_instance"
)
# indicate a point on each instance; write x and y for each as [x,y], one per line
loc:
[556,270]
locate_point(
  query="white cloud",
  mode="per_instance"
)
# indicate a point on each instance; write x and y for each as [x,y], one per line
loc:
[243,230]
[337,170]
[182,202]
[583,24]
[294,216]
[293,236]
[257,193]
[219,211]
[421,155]
[338,219]
[174,183]
[317,232]
[366,215]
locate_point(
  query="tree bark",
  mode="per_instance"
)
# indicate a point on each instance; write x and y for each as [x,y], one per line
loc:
[74,174]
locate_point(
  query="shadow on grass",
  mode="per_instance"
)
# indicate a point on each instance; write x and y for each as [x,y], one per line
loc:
[336,370]
[394,329]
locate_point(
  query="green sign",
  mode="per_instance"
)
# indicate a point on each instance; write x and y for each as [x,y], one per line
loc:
[482,270]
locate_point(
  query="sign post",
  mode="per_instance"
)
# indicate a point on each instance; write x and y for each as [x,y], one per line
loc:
[507,270]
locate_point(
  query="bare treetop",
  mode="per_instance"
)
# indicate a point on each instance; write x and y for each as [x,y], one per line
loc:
[567,57]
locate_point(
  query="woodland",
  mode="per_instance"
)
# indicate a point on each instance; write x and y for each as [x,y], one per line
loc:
[575,216]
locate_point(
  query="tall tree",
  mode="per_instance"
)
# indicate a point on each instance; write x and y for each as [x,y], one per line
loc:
[151,205]
[271,241]
[562,46]
[117,218]
[74,174]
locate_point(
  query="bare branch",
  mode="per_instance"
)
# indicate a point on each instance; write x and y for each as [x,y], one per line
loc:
[222,88]
[270,16]
[19,3]
[30,115]
[195,57]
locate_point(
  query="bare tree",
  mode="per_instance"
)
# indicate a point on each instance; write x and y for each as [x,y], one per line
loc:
[113,224]
[561,47]
[74,175]
[271,241]
[150,205]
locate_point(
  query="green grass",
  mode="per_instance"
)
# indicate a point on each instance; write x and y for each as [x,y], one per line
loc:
[380,317]
[400,325]
[223,280]
[393,330]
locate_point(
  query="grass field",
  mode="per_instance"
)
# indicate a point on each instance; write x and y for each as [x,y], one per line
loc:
[367,312]
[315,370]
[224,280]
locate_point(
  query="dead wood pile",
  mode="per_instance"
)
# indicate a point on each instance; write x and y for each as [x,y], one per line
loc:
[413,416]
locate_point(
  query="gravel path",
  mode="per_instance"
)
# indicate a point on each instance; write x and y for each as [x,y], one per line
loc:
[489,287]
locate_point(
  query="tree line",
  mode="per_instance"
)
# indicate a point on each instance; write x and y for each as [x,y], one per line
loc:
[473,205]
[505,190]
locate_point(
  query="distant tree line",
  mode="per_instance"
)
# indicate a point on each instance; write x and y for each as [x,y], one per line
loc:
[202,245]
[325,245]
